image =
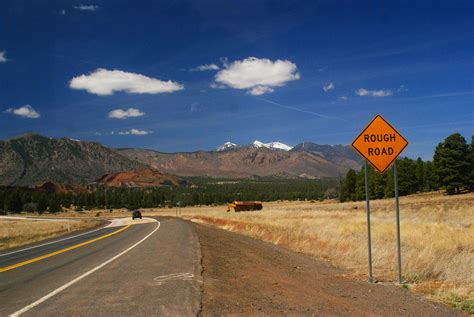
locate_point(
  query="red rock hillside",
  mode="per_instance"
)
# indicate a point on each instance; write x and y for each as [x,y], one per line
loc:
[140,178]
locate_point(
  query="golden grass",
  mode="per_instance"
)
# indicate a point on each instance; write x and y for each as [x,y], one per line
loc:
[15,233]
[437,235]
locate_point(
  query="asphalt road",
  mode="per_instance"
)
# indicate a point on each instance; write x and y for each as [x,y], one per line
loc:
[142,270]
[171,267]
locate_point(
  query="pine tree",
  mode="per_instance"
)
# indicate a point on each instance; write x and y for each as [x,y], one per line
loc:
[420,174]
[406,172]
[54,206]
[429,177]
[360,185]
[350,185]
[389,188]
[471,162]
[42,204]
[13,202]
[452,164]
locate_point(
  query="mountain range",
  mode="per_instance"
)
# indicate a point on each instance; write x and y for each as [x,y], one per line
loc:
[271,145]
[257,159]
[32,158]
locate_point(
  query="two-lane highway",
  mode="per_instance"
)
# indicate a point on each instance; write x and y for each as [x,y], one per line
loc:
[144,269]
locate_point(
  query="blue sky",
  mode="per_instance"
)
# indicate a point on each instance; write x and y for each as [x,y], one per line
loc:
[190,75]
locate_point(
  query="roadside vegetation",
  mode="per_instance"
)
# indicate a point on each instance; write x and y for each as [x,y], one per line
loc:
[14,233]
[437,234]
[204,191]
[452,169]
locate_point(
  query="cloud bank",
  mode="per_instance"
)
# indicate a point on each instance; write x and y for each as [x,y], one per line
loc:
[205,67]
[373,93]
[3,58]
[259,76]
[124,114]
[86,7]
[105,82]
[135,132]
[328,87]
[26,111]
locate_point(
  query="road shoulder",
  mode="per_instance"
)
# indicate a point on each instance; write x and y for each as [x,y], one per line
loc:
[246,276]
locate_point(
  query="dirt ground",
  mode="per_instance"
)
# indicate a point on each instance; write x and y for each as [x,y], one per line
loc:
[244,276]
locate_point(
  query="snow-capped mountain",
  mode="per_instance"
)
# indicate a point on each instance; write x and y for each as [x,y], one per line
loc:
[272,145]
[257,144]
[226,146]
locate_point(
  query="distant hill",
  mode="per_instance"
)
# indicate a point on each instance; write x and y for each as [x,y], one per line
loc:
[141,178]
[304,160]
[31,158]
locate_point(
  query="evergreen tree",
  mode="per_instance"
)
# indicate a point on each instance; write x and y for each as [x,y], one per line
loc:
[350,185]
[13,202]
[452,164]
[406,172]
[54,206]
[389,185]
[429,178]
[360,185]
[42,204]
[420,174]
[471,162]
[379,182]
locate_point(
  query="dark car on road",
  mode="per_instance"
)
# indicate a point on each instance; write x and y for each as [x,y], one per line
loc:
[136,214]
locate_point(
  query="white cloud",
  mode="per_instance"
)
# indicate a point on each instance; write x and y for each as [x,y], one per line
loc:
[257,75]
[373,93]
[86,7]
[3,58]
[26,111]
[134,132]
[328,87]
[202,68]
[260,90]
[104,82]
[124,114]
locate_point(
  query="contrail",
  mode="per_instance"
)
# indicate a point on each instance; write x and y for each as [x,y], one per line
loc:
[302,110]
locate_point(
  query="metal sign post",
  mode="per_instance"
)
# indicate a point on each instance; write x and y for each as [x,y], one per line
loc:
[399,253]
[380,145]
[369,236]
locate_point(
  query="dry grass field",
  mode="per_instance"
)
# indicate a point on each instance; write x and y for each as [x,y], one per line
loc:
[437,234]
[15,233]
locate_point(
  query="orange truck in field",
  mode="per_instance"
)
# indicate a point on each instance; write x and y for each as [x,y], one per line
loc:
[245,206]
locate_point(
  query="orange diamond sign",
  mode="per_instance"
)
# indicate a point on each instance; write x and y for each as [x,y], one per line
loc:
[379,143]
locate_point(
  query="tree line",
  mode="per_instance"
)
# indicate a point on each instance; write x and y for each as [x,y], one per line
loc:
[452,169]
[204,191]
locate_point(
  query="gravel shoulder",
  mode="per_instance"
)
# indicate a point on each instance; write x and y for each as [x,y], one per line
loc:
[244,276]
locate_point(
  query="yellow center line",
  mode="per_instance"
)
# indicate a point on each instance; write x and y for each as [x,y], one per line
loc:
[42,257]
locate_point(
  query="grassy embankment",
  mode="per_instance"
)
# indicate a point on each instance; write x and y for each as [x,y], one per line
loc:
[437,234]
[15,233]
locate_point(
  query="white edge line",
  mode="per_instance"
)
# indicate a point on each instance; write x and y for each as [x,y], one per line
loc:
[77,279]
[52,242]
